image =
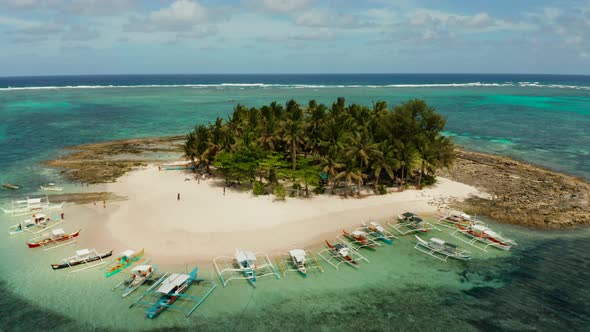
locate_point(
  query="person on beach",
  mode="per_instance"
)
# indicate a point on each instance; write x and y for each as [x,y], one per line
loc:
[178,197]
[62,215]
[104,204]
[224,191]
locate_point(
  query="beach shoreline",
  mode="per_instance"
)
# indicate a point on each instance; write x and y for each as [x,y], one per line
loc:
[205,223]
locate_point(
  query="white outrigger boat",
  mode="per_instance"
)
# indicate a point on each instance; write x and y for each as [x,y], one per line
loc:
[51,187]
[35,225]
[452,218]
[378,232]
[247,267]
[87,258]
[30,205]
[139,275]
[441,249]
[299,260]
[482,237]
[409,223]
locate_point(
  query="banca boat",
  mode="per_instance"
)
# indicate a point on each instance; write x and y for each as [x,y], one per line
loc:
[441,249]
[246,261]
[10,186]
[359,239]
[53,239]
[453,218]
[51,187]
[35,225]
[173,288]
[298,257]
[29,206]
[377,231]
[483,234]
[87,258]
[123,260]
[342,251]
[139,275]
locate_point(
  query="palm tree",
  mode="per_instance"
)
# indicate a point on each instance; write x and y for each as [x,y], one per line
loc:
[384,160]
[330,165]
[293,130]
[351,174]
[189,146]
[360,147]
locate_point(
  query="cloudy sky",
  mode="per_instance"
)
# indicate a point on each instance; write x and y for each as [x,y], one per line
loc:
[39,37]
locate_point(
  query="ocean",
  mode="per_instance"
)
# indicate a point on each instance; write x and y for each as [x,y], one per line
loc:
[540,285]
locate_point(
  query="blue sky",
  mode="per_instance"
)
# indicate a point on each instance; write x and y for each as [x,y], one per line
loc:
[49,37]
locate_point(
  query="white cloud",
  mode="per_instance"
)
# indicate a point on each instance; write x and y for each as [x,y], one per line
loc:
[317,18]
[278,6]
[180,14]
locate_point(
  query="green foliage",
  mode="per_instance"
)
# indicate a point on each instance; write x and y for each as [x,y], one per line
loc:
[258,188]
[280,193]
[349,144]
[428,180]
[382,190]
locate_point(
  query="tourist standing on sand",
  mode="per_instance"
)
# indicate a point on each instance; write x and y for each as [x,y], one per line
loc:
[178,197]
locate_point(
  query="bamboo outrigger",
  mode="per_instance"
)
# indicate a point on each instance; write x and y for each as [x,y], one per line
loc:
[409,223]
[86,258]
[244,266]
[299,260]
[341,253]
[378,232]
[173,288]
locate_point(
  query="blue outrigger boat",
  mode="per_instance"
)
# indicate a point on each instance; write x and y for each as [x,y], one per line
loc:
[378,232]
[171,289]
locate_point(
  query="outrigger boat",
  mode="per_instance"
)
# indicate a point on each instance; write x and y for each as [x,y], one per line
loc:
[51,187]
[358,239]
[454,218]
[411,223]
[83,257]
[436,248]
[172,289]
[378,232]
[53,239]
[299,260]
[341,253]
[139,275]
[10,186]
[124,260]
[483,234]
[248,267]
[30,205]
[35,225]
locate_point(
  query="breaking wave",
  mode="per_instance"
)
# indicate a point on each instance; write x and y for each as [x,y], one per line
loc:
[302,86]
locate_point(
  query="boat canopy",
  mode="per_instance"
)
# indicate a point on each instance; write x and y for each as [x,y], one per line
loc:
[408,215]
[298,254]
[242,256]
[437,241]
[33,200]
[480,228]
[377,226]
[141,268]
[128,252]
[172,281]
[358,233]
[82,252]
[58,232]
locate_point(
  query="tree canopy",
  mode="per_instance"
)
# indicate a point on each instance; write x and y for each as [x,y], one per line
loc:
[315,143]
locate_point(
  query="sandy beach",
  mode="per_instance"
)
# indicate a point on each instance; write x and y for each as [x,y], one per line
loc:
[204,223]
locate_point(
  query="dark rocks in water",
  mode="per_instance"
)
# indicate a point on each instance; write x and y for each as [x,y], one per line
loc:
[521,193]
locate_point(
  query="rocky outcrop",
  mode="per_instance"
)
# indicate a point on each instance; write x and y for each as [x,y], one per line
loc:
[521,193]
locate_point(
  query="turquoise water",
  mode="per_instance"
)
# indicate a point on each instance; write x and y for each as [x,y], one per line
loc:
[540,285]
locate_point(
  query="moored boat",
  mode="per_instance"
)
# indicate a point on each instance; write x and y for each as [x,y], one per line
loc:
[298,257]
[359,239]
[51,187]
[35,225]
[246,261]
[436,247]
[29,206]
[83,257]
[139,275]
[341,251]
[10,186]
[123,260]
[53,238]
[378,232]
[171,290]
[484,234]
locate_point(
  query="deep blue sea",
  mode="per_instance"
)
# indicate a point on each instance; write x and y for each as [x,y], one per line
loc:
[543,119]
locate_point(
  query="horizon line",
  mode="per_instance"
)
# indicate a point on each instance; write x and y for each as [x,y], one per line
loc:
[296,74]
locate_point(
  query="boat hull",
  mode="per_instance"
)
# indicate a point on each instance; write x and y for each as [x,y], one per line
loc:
[43,242]
[82,261]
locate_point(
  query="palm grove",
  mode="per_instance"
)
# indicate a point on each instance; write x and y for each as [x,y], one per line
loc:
[316,146]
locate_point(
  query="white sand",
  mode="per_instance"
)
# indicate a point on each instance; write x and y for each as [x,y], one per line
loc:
[205,224]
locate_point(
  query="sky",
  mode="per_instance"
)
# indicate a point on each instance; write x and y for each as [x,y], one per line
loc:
[66,37]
